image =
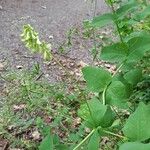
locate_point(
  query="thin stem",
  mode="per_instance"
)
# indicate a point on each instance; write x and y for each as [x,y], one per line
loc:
[94,36]
[85,139]
[116,22]
[117,115]
[114,134]
[118,69]
[28,91]
[88,107]
[105,89]
[104,95]
[95,46]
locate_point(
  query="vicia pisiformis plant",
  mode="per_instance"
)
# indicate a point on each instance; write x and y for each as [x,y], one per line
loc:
[114,90]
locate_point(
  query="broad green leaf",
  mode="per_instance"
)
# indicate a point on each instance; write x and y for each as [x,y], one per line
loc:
[137,48]
[94,141]
[47,143]
[95,116]
[97,112]
[134,146]
[102,20]
[96,78]
[137,127]
[127,66]
[128,86]
[61,147]
[108,118]
[133,76]
[114,53]
[123,10]
[117,94]
[84,112]
[136,34]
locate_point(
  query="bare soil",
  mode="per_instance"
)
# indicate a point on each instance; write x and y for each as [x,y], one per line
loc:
[51,18]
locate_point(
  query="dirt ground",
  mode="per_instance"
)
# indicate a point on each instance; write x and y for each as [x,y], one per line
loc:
[49,18]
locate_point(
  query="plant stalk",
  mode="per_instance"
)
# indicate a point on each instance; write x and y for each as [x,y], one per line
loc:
[104,95]
[114,134]
[85,139]
[116,22]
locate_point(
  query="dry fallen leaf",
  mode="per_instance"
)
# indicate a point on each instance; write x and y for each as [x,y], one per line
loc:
[76,122]
[19,107]
[36,135]
[81,64]
[48,119]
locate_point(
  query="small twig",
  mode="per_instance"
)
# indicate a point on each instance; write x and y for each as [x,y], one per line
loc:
[39,76]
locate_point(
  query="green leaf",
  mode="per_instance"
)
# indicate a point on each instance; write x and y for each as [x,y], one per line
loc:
[108,118]
[127,66]
[133,76]
[84,112]
[61,147]
[94,141]
[134,146]
[47,143]
[117,94]
[102,20]
[136,34]
[114,53]
[137,127]
[138,46]
[123,10]
[96,78]
[98,115]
